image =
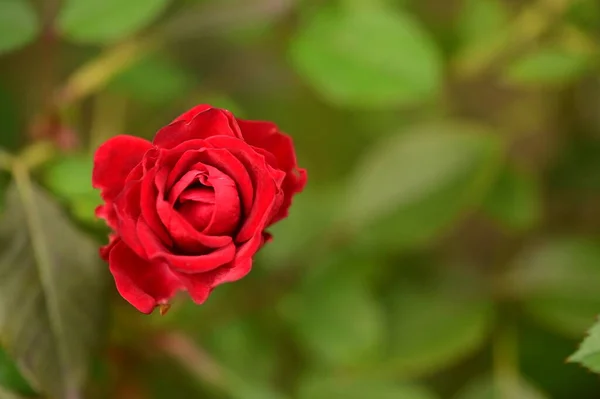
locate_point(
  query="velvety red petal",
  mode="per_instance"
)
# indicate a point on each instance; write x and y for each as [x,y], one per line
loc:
[226,162]
[183,233]
[143,284]
[200,285]
[226,203]
[127,209]
[179,164]
[266,135]
[182,263]
[149,194]
[191,114]
[264,186]
[197,206]
[198,123]
[114,160]
[293,184]
[186,180]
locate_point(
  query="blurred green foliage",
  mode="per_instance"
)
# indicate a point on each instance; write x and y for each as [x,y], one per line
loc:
[447,244]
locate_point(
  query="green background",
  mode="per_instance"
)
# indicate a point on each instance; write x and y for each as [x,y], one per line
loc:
[447,245]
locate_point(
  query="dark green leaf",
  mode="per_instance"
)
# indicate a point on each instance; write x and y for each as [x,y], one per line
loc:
[514,200]
[242,342]
[18,24]
[481,19]
[9,119]
[588,353]
[51,286]
[153,80]
[559,280]
[434,326]
[4,394]
[339,52]
[547,65]
[102,21]
[309,221]
[413,184]
[325,314]
[69,178]
[10,377]
[330,388]
[486,388]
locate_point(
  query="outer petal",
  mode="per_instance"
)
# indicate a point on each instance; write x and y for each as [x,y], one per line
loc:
[191,114]
[199,123]
[143,284]
[266,136]
[114,160]
[200,285]
[185,264]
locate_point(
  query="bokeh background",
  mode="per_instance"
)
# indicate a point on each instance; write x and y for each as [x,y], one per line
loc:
[446,246]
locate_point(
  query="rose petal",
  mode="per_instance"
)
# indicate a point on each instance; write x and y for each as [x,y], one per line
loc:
[184,164]
[227,163]
[183,233]
[186,180]
[197,206]
[199,123]
[127,209]
[226,214]
[114,160]
[143,284]
[264,185]
[191,114]
[199,286]
[147,204]
[182,263]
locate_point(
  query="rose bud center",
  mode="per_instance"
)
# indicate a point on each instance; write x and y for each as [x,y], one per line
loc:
[208,200]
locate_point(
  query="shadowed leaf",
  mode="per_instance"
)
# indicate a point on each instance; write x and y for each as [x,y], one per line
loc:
[51,288]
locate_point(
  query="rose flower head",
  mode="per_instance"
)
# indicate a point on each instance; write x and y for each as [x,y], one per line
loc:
[189,209]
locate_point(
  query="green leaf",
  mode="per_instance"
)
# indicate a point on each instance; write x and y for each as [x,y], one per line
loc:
[547,66]
[373,57]
[324,314]
[9,119]
[242,342]
[153,80]
[18,24]
[309,221]
[433,326]
[330,388]
[559,280]
[4,394]
[11,378]
[485,388]
[515,200]
[588,353]
[104,21]
[69,178]
[51,292]
[481,19]
[414,184]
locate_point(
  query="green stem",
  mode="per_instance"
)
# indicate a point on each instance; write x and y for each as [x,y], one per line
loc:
[505,361]
[526,28]
[95,74]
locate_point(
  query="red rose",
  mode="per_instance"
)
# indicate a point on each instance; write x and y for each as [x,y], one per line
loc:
[189,210]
